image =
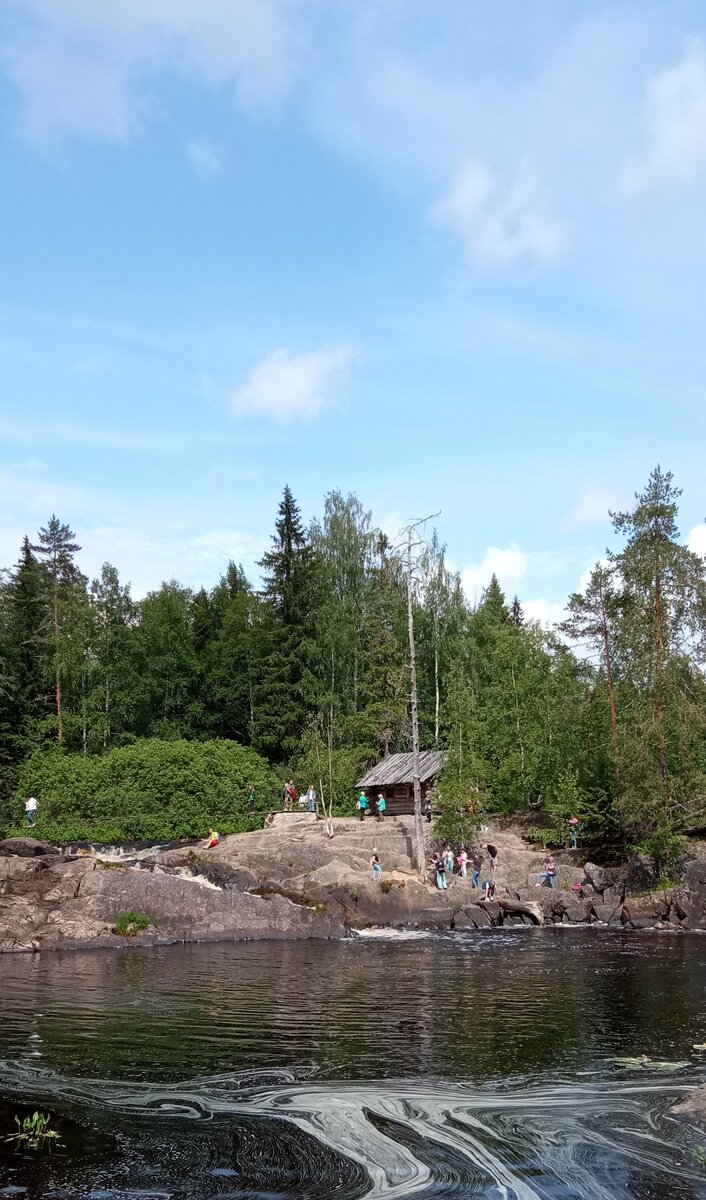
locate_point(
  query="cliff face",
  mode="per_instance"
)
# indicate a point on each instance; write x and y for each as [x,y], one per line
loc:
[291,881]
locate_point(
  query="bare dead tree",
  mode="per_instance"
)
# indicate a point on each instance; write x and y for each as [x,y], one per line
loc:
[410,545]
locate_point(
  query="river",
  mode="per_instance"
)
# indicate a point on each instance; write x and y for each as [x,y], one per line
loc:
[464,1065]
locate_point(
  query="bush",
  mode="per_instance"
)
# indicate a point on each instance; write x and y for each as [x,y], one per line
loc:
[129,924]
[150,791]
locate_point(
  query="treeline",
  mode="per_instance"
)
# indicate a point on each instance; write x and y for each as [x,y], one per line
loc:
[311,670]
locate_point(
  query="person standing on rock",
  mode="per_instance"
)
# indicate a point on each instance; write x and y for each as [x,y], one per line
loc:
[251,798]
[362,805]
[462,861]
[476,864]
[574,832]
[380,806]
[437,863]
[375,865]
[311,798]
[31,805]
[493,856]
[448,857]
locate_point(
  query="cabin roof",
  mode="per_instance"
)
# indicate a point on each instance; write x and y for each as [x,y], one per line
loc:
[399,768]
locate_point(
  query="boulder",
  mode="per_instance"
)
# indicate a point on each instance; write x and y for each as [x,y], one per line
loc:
[691,1109]
[577,912]
[25,847]
[607,914]
[643,912]
[642,873]
[600,877]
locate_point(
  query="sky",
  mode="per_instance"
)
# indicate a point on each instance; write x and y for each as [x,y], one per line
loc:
[448,256]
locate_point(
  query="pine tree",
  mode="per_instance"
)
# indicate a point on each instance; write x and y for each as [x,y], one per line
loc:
[663,633]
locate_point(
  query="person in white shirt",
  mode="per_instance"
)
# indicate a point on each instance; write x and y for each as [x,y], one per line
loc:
[30,809]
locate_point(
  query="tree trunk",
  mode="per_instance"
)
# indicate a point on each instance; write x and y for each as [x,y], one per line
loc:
[437,702]
[659,653]
[608,665]
[57,671]
[418,826]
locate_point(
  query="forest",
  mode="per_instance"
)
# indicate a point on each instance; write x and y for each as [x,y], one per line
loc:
[603,718]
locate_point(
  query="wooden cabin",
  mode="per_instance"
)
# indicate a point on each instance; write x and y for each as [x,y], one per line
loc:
[394,777]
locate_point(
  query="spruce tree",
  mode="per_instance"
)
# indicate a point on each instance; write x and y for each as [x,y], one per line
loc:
[56,549]
[286,692]
[28,620]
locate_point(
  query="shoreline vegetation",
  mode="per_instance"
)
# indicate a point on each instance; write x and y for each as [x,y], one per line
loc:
[155,719]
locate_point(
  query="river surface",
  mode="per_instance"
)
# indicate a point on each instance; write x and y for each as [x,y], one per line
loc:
[464,1065]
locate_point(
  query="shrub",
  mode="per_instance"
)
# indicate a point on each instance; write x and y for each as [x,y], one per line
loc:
[386,886]
[150,791]
[129,924]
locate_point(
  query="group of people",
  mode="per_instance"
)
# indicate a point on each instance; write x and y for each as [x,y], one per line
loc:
[443,863]
[379,805]
[308,799]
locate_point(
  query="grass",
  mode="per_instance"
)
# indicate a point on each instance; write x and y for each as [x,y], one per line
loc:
[130,923]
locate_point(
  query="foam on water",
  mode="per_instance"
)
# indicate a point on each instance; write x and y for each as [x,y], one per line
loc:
[405,1139]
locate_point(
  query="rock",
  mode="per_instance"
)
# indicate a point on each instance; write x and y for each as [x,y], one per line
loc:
[641,874]
[474,916]
[600,877]
[25,847]
[613,895]
[577,912]
[607,914]
[643,912]
[692,1109]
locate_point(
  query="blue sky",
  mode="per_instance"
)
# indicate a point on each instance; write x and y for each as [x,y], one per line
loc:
[450,256]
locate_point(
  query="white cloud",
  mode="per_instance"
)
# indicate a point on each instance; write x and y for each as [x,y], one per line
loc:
[205,158]
[592,508]
[696,540]
[675,121]
[547,612]
[499,223]
[510,567]
[288,385]
[75,63]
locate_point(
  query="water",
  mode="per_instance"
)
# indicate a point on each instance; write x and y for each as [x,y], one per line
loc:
[467,1065]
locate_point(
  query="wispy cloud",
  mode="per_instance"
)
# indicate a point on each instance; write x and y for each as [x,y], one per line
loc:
[674,154]
[205,158]
[593,508]
[76,64]
[288,385]
[499,223]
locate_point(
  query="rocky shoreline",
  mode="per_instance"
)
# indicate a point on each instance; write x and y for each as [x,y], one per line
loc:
[291,882]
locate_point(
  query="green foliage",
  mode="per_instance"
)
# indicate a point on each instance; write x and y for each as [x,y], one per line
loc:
[545,837]
[386,886]
[333,770]
[33,1133]
[314,673]
[151,791]
[129,924]
[285,691]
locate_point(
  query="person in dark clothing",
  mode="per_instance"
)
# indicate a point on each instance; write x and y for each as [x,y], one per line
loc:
[476,861]
[493,856]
